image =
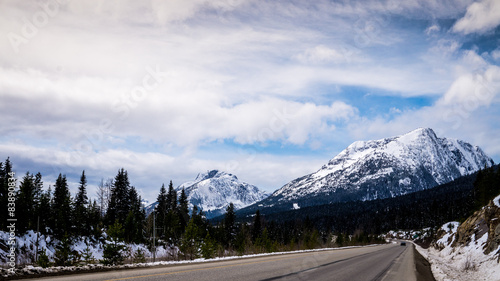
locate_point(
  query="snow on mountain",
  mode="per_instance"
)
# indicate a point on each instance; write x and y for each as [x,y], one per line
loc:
[390,167]
[215,190]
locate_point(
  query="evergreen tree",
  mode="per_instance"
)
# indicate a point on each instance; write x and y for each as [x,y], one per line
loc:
[95,219]
[45,211]
[135,220]
[243,240]
[257,226]
[61,208]
[63,254]
[81,217]
[190,243]
[161,210]
[114,249]
[230,225]
[25,209]
[183,210]
[119,204]
[208,247]
[5,170]
[171,198]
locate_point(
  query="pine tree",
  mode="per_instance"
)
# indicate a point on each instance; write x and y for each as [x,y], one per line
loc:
[81,217]
[61,208]
[119,203]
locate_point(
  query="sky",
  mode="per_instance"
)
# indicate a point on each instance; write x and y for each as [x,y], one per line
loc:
[266,90]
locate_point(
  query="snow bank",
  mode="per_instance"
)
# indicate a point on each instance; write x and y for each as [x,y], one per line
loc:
[461,263]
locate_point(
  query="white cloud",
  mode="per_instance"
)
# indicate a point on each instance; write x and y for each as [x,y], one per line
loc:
[473,90]
[432,29]
[323,54]
[481,17]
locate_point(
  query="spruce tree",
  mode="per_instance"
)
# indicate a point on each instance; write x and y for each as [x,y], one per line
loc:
[119,204]
[114,249]
[183,210]
[5,170]
[171,198]
[230,225]
[25,209]
[161,210]
[63,254]
[135,220]
[81,217]
[45,210]
[61,208]
[190,244]
[95,219]
[257,226]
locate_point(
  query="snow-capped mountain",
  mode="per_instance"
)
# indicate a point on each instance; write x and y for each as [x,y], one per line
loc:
[215,190]
[383,168]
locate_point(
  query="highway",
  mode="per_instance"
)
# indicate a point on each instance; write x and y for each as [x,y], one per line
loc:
[384,262]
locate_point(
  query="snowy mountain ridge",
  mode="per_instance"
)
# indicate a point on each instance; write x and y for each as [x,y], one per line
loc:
[214,190]
[384,168]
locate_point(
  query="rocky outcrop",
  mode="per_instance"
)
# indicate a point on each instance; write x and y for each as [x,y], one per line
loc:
[486,220]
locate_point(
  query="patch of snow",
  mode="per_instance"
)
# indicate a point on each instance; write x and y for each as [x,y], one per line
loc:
[296,206]
[496,201]
[462,263]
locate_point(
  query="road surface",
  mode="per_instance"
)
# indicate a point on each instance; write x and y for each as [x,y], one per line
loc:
[383,262]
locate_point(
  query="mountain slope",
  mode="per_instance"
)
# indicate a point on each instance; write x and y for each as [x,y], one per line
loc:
[385,168]
[215,190]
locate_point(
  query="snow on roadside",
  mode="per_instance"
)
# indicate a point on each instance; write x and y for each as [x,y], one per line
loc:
[462,263]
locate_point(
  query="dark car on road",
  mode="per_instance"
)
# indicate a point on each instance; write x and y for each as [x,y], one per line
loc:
[403,243]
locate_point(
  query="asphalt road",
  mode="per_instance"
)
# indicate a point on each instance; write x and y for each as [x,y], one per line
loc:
[384,262]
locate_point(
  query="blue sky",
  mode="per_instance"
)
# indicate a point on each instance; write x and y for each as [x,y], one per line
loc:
[266,90]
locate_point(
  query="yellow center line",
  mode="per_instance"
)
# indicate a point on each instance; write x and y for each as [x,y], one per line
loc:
[199,269]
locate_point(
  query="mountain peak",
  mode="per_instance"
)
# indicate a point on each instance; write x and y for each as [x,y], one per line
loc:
[420,133]
[213,174]
[214,190]
[384,168]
